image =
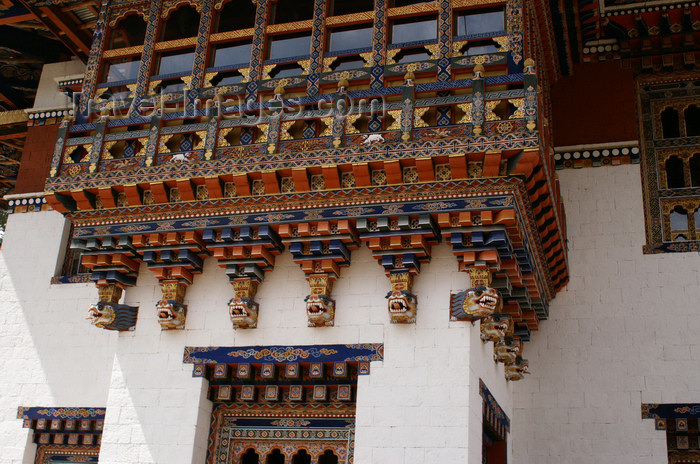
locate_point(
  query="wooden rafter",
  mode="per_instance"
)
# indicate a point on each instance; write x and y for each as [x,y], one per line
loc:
[17,19]
[65,29]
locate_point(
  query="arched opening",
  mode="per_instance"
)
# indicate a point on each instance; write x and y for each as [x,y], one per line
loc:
[183,22]
[692,121]
[679,219]
[302,457]
[694,165]
[236,15]
[328,457]
[276,457]
[250,457]
[669,123]
[696,218]
[129,32]
[674,173]
[287,11]
[78,154]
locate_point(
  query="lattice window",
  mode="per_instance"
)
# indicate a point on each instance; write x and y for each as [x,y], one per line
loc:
[283,404]
[681,423]
[670,163]
[64,434]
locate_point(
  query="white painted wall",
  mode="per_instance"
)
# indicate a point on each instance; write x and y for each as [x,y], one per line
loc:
[420,404]
[623,332]
[413,408]
[49,354]
[47,94]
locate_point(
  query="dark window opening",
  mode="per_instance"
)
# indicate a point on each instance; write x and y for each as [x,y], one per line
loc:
[348,62]
[494,449]
[125,149]
[679,219]
[692,121]
[227,78]
[236,15]
[696,218]
[78,154]
[183,22]
[481,22]
[122,69]
[349,38]
[276,457]
[410,55]
[396,3]
[328,457]
[479,48]
[695,170]
[287,11]
[286,70]
[343,7]
[674,173]
[170,86]
[231,54]
[129,32]
[302,457]
[287,46]
[175,62]
[72,263]
[669,123]
[250,457]
[117,93]
[413,29]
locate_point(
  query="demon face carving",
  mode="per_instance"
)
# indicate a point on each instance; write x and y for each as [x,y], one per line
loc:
[243,313]
[171,314]
[517,369]
[506,350]
[402,306]
[112,316]
[320,310]
[480,302]
[475,304]
[496,327]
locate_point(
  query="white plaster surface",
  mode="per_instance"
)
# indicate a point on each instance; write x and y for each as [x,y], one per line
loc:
[622,333]
[413,408]
[47,94]
[49,354]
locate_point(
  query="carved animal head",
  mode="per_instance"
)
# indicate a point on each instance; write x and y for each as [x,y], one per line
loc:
[402,306]
[506,350]
[171,314]
[320,310]
[101,315]
[496,327]
[517,369]
[243,313]
[113,316]
[480,302]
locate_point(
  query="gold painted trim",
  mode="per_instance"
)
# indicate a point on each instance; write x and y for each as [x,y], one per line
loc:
[119,52]
[173,44]
[228,35]
[295,27]
[350,19]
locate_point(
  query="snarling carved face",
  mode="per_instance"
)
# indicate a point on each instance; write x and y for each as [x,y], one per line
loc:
[320,310]
[496,327]
[402,306]
[171,314]
[517,369]
[101,315]
[506,350]
[243,313]
[481,302]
